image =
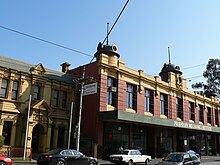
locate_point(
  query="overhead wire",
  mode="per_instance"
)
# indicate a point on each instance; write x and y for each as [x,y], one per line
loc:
[108,32]
[116,21]
[46,41]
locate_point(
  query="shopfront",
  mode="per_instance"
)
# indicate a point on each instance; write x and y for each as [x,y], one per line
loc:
[157,137]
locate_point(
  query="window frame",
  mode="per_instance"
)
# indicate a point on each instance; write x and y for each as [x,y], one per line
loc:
[4,88]
[148,100]
[14,92]
[110,95]
[36,92]
[163,104]
[179,107]
[131,95]
[55,97]
[201,113]
[64,99]
[191,111]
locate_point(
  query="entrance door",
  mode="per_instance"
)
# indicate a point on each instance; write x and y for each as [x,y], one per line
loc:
[37,138]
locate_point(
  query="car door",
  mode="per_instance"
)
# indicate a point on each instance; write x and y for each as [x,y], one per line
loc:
[80,158]
[68,156]
[139,157]
[187,160]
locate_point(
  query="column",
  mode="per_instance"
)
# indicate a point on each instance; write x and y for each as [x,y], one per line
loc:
[1,126]
[13,133]
[48,137]
[55,138]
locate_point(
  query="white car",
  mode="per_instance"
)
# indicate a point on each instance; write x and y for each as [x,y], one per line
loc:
[129,156]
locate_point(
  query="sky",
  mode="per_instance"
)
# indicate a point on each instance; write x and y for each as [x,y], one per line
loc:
[143,33]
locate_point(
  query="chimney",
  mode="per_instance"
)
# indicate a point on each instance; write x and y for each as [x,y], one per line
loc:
[65,67]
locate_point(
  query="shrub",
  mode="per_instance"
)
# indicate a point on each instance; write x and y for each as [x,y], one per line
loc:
[2,138]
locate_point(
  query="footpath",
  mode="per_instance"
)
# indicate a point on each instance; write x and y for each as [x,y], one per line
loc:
[105,162]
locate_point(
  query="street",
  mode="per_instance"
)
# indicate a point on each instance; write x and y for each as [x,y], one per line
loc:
[206,160]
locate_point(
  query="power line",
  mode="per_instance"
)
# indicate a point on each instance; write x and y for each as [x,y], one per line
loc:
[116,21]
[43,40]
[194,66]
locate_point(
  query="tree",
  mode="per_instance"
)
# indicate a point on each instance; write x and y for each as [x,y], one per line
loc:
[2,139]
[212,74]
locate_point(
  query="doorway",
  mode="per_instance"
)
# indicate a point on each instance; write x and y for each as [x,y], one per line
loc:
[37,138]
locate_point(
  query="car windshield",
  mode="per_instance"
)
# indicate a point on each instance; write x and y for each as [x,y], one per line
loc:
[123,152]
[174,158]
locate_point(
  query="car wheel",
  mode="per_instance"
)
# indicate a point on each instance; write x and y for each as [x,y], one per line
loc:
[146,162]
[130,162]
[2,163]
[60,162]
[92,162]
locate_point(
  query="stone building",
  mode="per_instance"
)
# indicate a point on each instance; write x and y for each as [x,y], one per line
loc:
[51,92]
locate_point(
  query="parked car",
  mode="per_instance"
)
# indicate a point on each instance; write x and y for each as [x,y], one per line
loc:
[180,158]
[65,157]
[197,154]
[129,156]
[5,160]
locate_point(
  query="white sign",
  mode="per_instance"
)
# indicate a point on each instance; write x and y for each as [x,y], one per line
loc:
[90,89]
[192,126]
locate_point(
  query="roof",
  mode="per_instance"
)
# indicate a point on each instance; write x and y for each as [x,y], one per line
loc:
[10,63]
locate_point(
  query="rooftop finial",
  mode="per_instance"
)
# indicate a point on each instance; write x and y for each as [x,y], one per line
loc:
[169,54]
[107,32]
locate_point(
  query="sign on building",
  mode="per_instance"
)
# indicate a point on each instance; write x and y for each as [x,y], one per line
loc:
[90,89]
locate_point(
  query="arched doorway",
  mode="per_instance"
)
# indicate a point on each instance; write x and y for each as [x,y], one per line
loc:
[37,138]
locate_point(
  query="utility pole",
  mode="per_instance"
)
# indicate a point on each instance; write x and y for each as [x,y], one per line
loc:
[70,125]
[27,128]
[82,82]
[80,110]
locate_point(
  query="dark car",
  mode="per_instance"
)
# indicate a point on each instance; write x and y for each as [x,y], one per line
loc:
[65,157]
[180,158]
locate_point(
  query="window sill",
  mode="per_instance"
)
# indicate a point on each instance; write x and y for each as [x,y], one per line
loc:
[148,114]
[130,110]
[163,116]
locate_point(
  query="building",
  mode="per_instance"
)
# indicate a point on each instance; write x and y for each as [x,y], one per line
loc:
[51,92]
[154,114]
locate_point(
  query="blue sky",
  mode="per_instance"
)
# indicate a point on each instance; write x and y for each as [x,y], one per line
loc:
[191,28]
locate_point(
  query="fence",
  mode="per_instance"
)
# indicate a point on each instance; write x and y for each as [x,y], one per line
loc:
[15,152]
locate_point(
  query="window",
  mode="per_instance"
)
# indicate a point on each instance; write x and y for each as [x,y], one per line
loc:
[209,115]
[163,104]
[131,96]
[36,94]
[4,88]
[216,117]
[148,101]
[179,108]
[64,99]
[111,91]
[192,111]
[201,113]
[55,98]
[14,90]
[7,132]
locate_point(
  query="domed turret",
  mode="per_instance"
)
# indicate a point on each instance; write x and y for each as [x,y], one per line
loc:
[110,50]
[167,68]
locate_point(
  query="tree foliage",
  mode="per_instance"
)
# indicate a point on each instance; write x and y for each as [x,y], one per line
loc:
[212,75]
[2,138]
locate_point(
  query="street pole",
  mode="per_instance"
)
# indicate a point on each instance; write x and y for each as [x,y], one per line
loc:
[80,111]
[70,125]
[27,127]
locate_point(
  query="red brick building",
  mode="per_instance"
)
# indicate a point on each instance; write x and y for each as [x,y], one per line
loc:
[154,114]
